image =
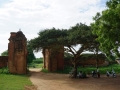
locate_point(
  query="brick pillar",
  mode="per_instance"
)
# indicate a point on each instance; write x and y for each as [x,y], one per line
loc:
[17,53]
[53,59]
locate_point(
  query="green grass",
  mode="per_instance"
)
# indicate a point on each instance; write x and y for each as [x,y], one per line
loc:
[4,70]
[45,71]
[102,69]
[35,65]
[13,82]
[39,65]
[89,69]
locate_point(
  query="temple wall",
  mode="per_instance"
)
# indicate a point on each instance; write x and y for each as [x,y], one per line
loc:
[90,61]
[3,61]
[53,60]
[60,57]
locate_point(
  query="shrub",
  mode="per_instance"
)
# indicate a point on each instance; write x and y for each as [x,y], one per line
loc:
[38,60]
[45,70]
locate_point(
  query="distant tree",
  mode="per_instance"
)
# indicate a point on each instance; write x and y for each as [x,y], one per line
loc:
[107,28]
[30,56]
[5,53]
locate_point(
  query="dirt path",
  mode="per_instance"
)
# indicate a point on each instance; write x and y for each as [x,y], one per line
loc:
[53,81]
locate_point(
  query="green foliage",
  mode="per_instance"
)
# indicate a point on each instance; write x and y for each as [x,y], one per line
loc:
[66,54]
[66,70]
[13,82]
[89,69]
[46,38]
[4,70]
[5,53]
[45,71]
[107,26]
[38,60]
[30,56]
[37,63]
[78,34]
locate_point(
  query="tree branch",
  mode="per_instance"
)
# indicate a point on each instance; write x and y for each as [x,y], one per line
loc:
[70,50]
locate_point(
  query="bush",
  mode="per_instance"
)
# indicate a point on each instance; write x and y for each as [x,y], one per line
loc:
[45,71]
[89,69]
[4,70]
[38,60]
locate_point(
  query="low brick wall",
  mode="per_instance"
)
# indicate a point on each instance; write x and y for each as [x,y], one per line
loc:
[86,62]
[3,61]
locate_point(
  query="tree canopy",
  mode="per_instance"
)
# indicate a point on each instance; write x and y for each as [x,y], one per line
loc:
[30,56]
[107,28]
[46,38]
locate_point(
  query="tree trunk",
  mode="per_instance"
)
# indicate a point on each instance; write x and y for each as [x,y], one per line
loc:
[75,66]
[97,57]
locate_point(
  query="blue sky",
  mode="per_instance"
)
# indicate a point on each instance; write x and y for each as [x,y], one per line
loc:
[31,16]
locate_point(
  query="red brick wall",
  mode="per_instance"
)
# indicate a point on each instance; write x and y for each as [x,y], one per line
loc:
[3,61]
[90,61]
[60,58]
[53,59]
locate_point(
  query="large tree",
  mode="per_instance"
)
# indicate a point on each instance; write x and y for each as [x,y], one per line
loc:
[107,28]
[79,35]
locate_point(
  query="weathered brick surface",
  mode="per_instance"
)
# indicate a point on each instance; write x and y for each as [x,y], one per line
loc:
[53,60]
[17,53]
[3,61]
[89,61]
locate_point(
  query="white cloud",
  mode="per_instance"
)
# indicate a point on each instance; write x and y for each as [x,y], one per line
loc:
[34,15]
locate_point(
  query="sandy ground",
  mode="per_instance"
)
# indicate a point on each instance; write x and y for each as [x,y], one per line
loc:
[53,81]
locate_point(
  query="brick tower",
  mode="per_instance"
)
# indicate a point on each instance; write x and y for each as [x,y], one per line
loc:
[17,53]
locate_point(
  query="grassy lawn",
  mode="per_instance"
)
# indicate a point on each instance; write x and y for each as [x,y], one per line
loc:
[13,82]
[102,69]
[35,65]
[17,82]
[88,69]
